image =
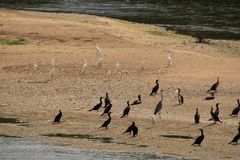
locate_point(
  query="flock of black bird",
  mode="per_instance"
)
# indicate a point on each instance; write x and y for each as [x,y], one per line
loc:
[133,128]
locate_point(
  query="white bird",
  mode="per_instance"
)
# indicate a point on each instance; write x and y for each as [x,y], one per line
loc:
[175,94]
[100,61]
[117,66]
[170,58]
[52,63]
[98,50]
[35,66]
[153,118]
[84,65]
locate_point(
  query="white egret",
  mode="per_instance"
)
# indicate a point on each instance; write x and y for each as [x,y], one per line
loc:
[52,63]
[117,66]
[84,65]
[170,58]
[153,119]
[98,50]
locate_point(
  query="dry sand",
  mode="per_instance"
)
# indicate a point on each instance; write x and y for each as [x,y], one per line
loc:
[35,97]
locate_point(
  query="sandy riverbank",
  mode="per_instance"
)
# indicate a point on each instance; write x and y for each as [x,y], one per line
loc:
[35,97]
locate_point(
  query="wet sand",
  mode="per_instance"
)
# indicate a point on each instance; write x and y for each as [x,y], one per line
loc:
[35,95]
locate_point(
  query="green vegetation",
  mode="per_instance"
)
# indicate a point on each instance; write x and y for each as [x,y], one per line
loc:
[158,33]
[12,42]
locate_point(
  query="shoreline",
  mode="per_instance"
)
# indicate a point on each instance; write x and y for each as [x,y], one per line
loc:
[168,28]
[35,96]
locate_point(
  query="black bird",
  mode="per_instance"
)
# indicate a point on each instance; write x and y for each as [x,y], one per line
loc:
[239,127]
[99,105]
[126,110]
[106,100]
[159,105]
[199,139]
[133,128]
[214,87]
[58,117]
[180,97]
[214,116]
[107,109]
[107,122]
[237,137]
[216,112]
[236,110]
[155,89]
[196,116]
[211,97]
[136,102]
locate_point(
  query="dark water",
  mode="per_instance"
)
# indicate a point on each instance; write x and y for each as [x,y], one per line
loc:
[218,19]
[19,149]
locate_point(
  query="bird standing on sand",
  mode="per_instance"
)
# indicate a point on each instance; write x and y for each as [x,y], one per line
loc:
[84,65]
[133,128]
[98,50]
[99,62]
[136,102]
[107,122]
[199,139]
[239,127]
[106,100]
[237,137]
[214,87]
[126,110]
[214,116]
[236,110]
[196,116]
[159,105]
[107,109]
[97,106]
[58,117]
[170,57]
[180,97]
[216,112]
[155,89]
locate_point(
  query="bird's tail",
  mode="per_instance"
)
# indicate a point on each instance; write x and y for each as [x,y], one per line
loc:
[210,119]
[220,121]
[90,109]
[122,116]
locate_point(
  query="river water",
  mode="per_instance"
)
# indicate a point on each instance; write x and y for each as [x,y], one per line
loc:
[219,19]
[20,149]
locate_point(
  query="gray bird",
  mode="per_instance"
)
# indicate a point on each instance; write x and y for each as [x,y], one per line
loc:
[159,105]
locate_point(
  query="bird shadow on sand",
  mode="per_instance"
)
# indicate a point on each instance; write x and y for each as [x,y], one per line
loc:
[209,125]
[179,104]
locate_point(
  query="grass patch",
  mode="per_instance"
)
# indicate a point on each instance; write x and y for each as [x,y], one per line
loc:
[9,120]
[12,42]
[81,136]
[158,33]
